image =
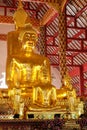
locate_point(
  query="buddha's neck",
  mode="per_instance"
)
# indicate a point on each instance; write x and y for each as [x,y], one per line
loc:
[29,53]
[19,28]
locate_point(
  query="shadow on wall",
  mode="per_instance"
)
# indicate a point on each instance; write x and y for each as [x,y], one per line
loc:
[56,78]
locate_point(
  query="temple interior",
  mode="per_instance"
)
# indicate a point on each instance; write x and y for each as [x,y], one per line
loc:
[43,66]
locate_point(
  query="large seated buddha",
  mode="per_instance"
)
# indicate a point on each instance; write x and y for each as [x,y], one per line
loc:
[26,70]
[28,74]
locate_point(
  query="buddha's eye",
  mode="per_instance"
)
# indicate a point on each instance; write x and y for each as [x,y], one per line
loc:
[33,35]
[27,35]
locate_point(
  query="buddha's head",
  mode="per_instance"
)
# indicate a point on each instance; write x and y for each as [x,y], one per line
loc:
[27,33]
[28,38]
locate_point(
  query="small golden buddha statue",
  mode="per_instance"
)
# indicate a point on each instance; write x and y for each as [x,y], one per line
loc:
[25,69]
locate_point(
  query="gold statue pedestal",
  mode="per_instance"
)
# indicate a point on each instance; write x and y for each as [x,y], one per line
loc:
[43,115]
[38,112]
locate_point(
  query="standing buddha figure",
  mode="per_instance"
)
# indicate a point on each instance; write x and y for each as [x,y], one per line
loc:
[25,69]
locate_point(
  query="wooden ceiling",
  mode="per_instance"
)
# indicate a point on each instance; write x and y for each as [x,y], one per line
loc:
[76,23]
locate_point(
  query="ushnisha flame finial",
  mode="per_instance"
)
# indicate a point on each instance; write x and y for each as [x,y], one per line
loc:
[20,16]
[20,4]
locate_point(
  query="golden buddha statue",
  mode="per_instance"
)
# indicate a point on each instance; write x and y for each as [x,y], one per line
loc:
[26,70]
[28,74]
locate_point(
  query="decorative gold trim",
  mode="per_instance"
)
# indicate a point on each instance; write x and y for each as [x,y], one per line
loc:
[47,16]
[58,5]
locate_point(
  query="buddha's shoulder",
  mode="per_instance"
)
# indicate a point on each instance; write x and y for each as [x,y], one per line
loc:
[41,57]
[12,33]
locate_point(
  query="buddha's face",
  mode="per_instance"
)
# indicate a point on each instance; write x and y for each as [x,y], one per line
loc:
[29,41]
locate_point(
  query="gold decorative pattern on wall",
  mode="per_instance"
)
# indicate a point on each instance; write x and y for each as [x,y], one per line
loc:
[6,19]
